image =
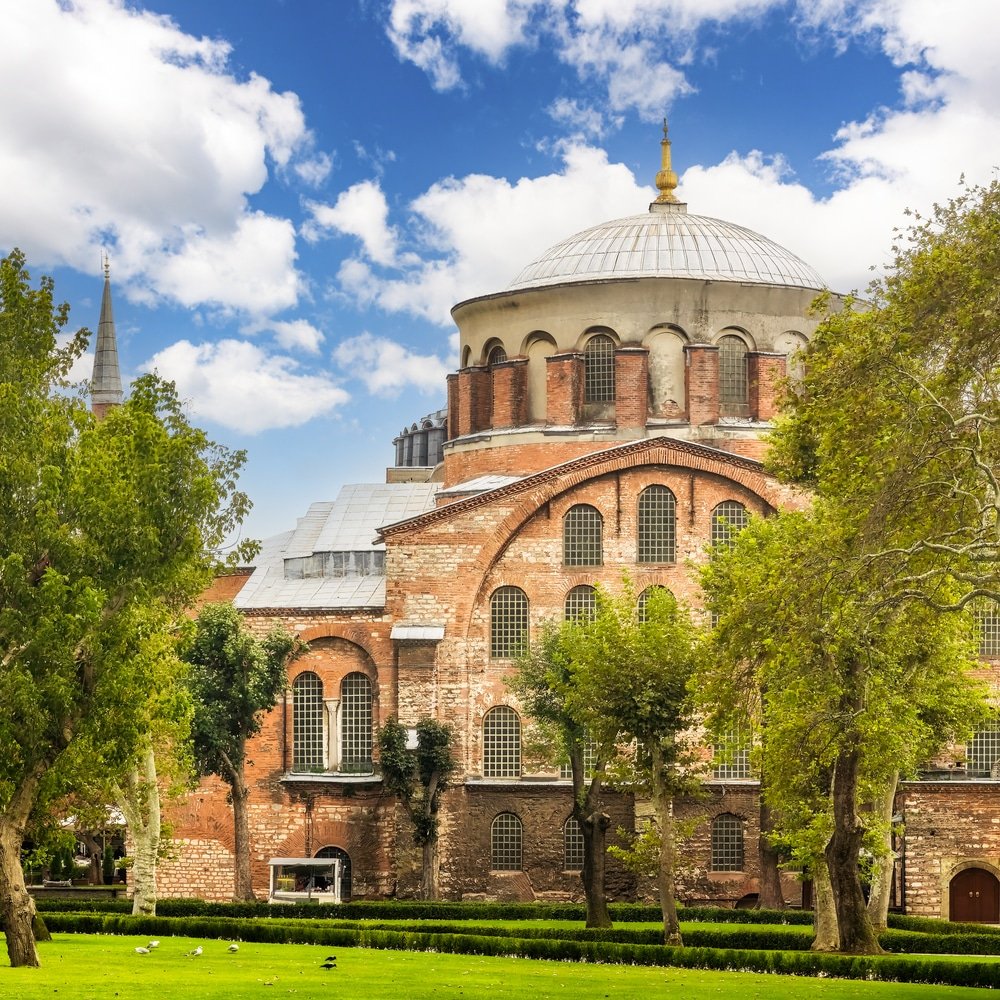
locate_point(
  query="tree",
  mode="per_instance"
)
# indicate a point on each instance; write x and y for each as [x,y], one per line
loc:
[633,686]
[101,522]
[235,679]
[547,681]
[419,777]
[845,688]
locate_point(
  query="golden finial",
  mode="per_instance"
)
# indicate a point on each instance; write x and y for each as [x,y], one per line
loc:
[666,179]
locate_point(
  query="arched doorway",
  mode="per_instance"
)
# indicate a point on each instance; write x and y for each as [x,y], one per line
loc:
[345,868]
[974,897]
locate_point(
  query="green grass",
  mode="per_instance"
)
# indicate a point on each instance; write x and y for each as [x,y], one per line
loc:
[99,967]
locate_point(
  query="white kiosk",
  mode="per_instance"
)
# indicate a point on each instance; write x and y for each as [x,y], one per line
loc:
[304,880]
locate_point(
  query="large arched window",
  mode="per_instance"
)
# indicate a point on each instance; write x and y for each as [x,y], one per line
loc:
[581,603]
[572,846]
[307,723]
[583,528]
[657,517]
[733,382]
[599,370]
[505,843]
[356,724]
[728,520]
[508,622]
[501,743]
[727,843]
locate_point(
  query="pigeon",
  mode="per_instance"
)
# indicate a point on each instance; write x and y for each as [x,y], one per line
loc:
[196,952]
[330,958]
[153,944]
[329,965]
[141,951]
[233,947]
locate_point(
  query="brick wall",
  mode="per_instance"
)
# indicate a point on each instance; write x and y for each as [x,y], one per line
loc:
[631,386]
[510,393]
[764,372]
[701,383]
[564,389]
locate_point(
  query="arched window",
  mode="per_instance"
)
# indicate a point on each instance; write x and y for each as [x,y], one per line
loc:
[307,723]
[988,620]
[356,724]
[982,753]
[728,520]
[582,530]
[599,370]
[505,843]
[643,601]
[508,622]
[345,868]
[657,525]
[496,356]
[501,743]
[572,846]
[727,843]
[581,603]
[733,383]
[732,757]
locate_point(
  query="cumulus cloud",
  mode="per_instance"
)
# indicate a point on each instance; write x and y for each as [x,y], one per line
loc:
[387,367]
[239,385]
[359,211]
[157,163]
[297,334]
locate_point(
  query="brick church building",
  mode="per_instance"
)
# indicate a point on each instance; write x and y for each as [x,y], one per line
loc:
[607,415]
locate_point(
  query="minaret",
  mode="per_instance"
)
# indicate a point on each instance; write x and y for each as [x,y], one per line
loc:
[106,382]
[666,181]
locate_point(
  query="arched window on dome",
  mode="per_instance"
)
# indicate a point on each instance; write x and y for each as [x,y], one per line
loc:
[599,370]
[496,356]
[734,391]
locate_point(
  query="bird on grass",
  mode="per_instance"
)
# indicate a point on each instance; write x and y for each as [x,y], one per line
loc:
[330,963]
[153,944]
[141,951]
[233,947]
[195,953]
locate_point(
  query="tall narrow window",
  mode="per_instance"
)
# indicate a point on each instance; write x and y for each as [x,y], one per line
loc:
[728,520]
[508,622]
[583,528]
[657,525]
[733,383]
[501,743]
[581,603]
[356,724]
[732,757]
[727,843]
[572,846]
[988,620]
[599,370]
[505,843]
[307,723]
[983,752]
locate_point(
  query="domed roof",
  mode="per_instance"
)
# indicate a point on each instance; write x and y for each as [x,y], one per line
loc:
[666,242]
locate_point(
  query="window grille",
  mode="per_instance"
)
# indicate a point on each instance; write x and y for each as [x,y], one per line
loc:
[732,757]
[497,356]
[307,723]
[582,536]
[505,843]
[988,620]
[657,525]
[572,846]
[727,843]
[733,386]
[501,743]
[356,724]
[728,520]
[983,752]
[599,370]
[508,622]
[581,603]
[643,601]
[589,761]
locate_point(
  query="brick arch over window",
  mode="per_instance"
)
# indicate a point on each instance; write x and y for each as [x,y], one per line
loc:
[353,634]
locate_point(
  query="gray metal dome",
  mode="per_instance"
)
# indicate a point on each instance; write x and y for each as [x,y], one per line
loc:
[666,242]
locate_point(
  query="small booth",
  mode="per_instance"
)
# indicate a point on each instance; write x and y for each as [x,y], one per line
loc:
[304,880]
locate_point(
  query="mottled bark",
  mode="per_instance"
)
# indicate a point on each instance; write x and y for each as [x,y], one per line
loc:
[238,795]
[881,887]
[771,896]
[17,908]
[139,799]
[825,912]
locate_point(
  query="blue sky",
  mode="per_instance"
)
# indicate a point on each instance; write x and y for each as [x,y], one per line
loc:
[293,193]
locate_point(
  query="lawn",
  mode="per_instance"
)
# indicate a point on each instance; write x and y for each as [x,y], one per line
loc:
[98,967]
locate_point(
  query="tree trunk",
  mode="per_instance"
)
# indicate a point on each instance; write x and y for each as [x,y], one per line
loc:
[243,882]
[594,828]
[825,913]
[664,805]
[17,908]
[882,871]
[857,936]
[429,887]
[771,896]
[139,799]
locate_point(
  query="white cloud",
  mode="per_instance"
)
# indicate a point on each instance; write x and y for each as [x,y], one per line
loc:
[158,161]
[238,385]
[315,170]
[297,334]
[359,211]
[584,120]
[387,367]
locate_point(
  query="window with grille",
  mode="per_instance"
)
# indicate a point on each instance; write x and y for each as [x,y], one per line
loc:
[589,761]
[572,846]
[583,527]
[732,757]
[733,387]
[988,620]
[728,520]
[643,602]
[501,743]
[505,843]
[727,843]
[657,525]
[599,370]
[497,356]
[983,752]
[508,622]
[356,724]
[581,603]
[307,723]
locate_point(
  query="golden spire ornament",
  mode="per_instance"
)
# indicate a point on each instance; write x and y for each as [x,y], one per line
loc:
[666,179]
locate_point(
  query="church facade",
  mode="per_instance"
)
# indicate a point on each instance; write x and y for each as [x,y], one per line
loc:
[606,418]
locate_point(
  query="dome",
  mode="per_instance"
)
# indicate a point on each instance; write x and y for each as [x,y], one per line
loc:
[666,242]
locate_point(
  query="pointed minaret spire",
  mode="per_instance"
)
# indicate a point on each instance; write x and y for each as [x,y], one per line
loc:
[666,181]
[106,383]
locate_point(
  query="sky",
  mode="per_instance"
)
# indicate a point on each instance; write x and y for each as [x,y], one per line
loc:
[293,193]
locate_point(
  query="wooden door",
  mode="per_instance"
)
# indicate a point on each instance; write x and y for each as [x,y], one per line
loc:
[975,897]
